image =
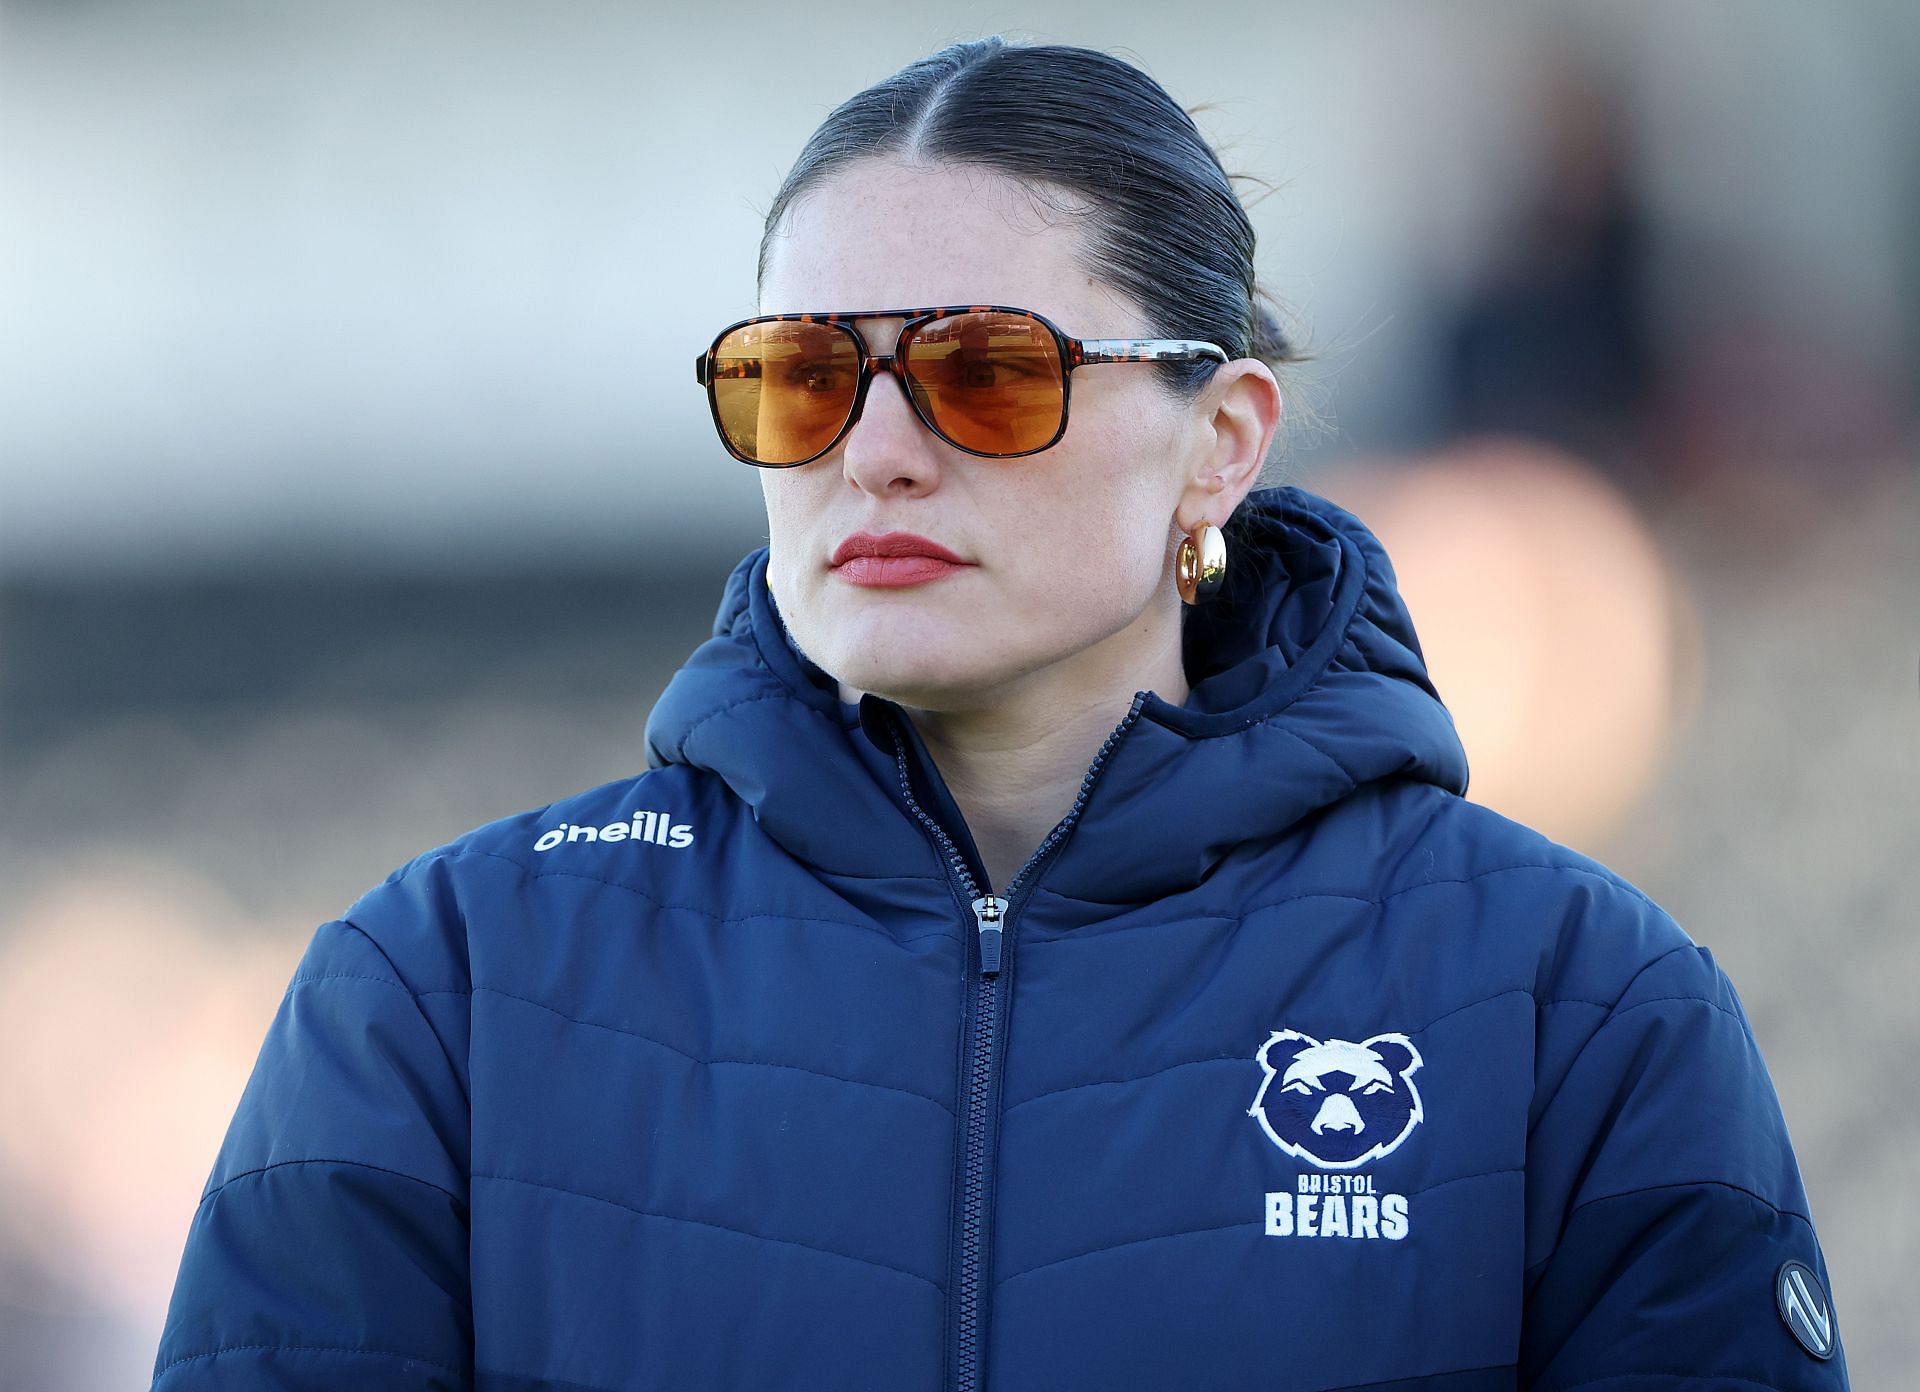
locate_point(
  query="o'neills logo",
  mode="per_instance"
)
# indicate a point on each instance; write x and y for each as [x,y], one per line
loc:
[656,827]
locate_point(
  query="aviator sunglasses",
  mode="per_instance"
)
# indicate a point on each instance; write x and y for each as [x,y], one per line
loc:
[988,379]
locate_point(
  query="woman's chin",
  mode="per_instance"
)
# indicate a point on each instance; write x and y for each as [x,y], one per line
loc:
[908,640]
[921,685]
[925,669]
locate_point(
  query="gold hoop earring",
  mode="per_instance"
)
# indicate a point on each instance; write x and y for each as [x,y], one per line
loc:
[1201,565]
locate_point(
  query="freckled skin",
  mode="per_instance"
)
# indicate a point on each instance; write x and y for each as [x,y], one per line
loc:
[1072,547]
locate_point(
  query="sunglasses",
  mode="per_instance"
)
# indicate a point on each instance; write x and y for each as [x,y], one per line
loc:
[988,379]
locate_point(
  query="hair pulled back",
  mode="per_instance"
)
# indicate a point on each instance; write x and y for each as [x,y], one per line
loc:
[1164,224]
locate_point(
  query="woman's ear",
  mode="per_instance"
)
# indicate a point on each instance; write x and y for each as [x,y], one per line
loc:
[1240,412]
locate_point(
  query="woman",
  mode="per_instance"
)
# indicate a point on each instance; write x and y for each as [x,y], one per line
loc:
[1045,951]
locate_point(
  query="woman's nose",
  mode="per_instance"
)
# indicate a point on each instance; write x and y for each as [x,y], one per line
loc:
[888,449]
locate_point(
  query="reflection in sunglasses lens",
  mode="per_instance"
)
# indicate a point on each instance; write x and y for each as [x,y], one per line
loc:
[989,381]
[783,390]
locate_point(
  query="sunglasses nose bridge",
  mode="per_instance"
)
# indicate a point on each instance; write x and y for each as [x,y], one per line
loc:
[885,364]
[894,364]
[878,365]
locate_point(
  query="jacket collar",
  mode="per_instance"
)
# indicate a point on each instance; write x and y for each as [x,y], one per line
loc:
[1307,684]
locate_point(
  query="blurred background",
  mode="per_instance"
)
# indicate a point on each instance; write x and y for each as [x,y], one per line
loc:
[354,490]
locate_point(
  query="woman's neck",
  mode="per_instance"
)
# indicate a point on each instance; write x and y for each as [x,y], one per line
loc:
[1015,765]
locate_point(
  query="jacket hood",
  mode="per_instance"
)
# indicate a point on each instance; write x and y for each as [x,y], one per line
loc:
[1307,683]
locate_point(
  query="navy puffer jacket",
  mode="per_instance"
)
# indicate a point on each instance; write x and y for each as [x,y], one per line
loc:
[1279,1065]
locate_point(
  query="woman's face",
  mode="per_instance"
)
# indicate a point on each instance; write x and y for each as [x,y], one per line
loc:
[1068,551]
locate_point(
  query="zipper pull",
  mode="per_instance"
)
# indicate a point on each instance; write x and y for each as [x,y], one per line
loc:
[988,911]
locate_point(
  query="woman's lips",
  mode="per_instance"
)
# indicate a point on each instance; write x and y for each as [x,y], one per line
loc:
[892,572]
[893,559]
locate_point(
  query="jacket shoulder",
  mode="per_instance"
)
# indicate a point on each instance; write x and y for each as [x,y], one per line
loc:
[645,827]
[1586,930]
[1657,1157]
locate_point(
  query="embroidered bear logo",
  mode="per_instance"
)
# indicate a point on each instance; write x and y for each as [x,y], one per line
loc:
[1337,1104]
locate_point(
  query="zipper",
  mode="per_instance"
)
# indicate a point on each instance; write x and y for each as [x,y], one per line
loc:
[990,914]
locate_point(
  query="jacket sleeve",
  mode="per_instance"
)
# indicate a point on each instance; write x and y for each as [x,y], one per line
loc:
[330,1247]
[1663,1196]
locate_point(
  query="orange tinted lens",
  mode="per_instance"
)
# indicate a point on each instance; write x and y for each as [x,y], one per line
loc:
[781,391]
[989,381]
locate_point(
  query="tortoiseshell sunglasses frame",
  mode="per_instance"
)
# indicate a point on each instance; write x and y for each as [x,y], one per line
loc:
[1074,352]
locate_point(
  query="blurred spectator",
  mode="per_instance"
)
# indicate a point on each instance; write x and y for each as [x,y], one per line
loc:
[1555,340]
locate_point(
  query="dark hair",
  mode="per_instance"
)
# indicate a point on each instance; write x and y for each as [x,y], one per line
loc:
[1164,223]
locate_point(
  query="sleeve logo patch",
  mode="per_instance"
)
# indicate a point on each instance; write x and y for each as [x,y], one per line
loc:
[1805,1309]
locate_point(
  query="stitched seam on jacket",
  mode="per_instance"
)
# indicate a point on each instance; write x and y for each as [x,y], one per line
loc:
[1115,1246]
[374,943]
[695,1058]
[1013,1107]
[1625,991]
[686,735]
[1695,1378]
[1223,1227]
[1311,748]
[460,1373]
[1619,1010]
[1249,1058]
[325,1160]
[1646,967]
[356,976]
[1447,1373]
[889,877]
[1656,1188]
[618,1029]
[400,980]
[705,1223]
[1573,1066]
[1252,909]
[1419,1029]
[689,908]
[453,1064]
[384,981]
[543,1381]
[1463,1178]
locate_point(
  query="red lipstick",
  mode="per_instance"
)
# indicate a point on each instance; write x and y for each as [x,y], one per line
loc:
[893,559]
